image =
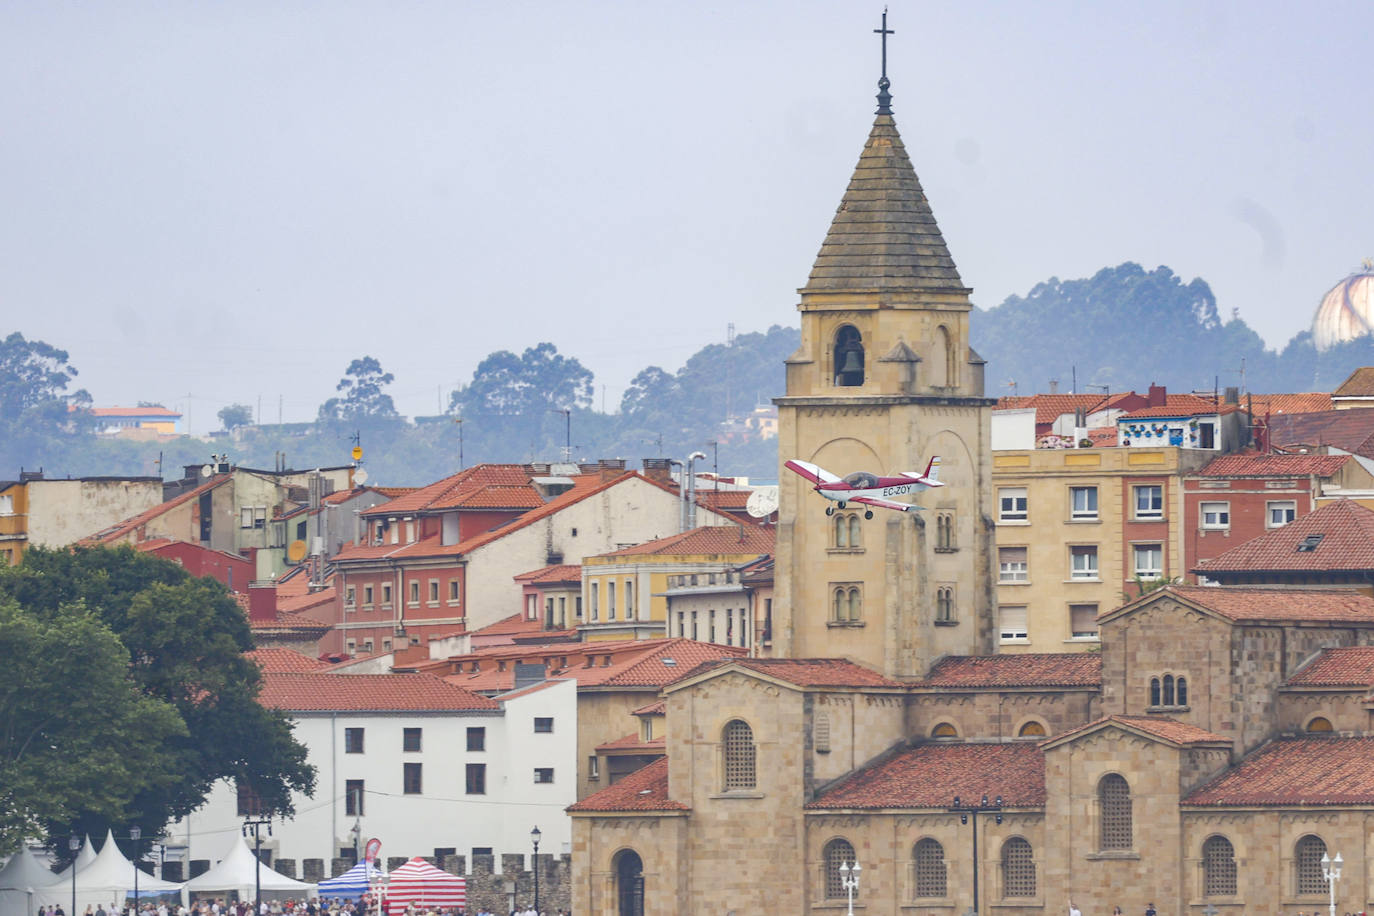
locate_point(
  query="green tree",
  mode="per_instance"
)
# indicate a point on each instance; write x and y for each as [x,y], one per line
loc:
[37,415]
[79,738]
[185,640]
[236,415]
[364,397]
[538,380]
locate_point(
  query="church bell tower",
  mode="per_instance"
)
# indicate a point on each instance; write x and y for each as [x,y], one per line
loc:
[884,379]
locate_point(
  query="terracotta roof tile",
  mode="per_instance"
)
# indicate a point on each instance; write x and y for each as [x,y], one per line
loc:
[566,572]
[1346,542]
[283,661]
[1257,465]
[808,672]
[1285,604]
[645,663]
[633,742]
[1050,407]
[367,693]
[1359,384]
[1297,771]
[646,789]
[653,709]
[663,662]
[729,540]
[1167,729]
[1348,430]
[456,490]
[510,626]
[1059,669]
[932,775]
[1304,402]
[1350,666]
[1180,406]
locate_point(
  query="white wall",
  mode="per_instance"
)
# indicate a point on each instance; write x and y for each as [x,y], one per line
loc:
[62,512]
[1013,429]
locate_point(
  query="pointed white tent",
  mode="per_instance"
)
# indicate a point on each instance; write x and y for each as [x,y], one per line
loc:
[21,877]
[237,873]
[108,879]
[83,858]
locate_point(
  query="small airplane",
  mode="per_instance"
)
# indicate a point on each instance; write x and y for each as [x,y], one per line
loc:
[868,489]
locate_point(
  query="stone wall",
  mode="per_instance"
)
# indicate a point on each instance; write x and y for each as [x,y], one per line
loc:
[1001,713]
[514,885]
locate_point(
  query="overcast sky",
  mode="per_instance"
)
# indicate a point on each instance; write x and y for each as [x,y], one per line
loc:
[208,203]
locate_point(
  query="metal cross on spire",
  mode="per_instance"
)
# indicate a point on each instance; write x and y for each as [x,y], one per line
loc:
[884,97]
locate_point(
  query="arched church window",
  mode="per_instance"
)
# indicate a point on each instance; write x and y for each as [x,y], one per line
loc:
[854,532]
[837,852]
[1307,860]
[849,357]
[1168,690]
[928,861]
[944,730]
[944,358]
[1018,868]
[1181,691]
[1114,812]
[1218,867]
[737,751]
[1031,729]
[1155,694]
[841,531]
[629,883]
[1319,725]
[944,604]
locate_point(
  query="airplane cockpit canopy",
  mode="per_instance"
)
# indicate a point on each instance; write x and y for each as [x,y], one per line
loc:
[862,480]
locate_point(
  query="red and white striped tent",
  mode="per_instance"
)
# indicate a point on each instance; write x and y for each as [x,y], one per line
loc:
[419,883]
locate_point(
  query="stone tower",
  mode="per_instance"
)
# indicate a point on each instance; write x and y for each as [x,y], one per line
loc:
[884,379]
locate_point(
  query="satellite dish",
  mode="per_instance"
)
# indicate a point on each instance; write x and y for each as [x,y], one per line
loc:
[360,476]
[296,552]
[207,470]
[763,502]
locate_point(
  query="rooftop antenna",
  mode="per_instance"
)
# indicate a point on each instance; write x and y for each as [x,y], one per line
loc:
[567,436]
[1011,383]
[459,422]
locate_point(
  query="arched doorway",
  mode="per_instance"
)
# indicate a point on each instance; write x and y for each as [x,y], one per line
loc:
[629,883]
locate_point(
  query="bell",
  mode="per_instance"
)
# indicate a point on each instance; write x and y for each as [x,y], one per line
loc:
[851,363]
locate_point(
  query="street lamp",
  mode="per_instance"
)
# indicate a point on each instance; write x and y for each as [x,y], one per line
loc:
[1331,871]
[976,809]
[136,834]
[74,844]
[534,837]
[849,878]
[256,825]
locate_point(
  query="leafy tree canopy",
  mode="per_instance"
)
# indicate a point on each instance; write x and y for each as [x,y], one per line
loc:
[36,412]
[538,380]
[236,415]
[184,641]
[363,395]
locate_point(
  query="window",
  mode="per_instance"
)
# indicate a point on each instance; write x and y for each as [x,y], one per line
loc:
[1218,867]
[433,591]
[353,798]
[477,739]
[596,601]
[1280,512]
[543,725]
[610,601]
[1083,503]
[353,740]
[1018,868]
[414,592]
[593,767]
[847,604]
[249,802]
[1031,729]
[820,732]
[1182,694]
[410,739]
[1319,725]
[1215,517]
[1114,812]
[350,596]
[411,776]
[1083,562]
[543,774]
[837,852]
[1149,560]
[1011,503]
[452,591]
[1012,564]
[944,605]
[846,531]
[928,862]
[737,752]
[849,357]
[476,782]
[386,595]
[1083,621]
[1011,622]
[1307,857]
[367,596]
[944,531]
[944,730]
[246,517]
[1149,502]
[629,599]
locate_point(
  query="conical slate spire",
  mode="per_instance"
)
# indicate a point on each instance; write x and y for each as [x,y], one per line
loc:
[884,235]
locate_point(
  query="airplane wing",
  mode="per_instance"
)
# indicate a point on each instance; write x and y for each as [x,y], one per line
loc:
[812,472]
[884,503]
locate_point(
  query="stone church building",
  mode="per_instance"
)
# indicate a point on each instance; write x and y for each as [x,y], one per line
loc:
[1208,756]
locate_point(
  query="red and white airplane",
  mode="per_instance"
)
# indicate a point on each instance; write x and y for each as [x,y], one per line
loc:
[868,489]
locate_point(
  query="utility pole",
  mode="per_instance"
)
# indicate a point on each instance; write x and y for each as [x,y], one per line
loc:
[256,824]
[976,809]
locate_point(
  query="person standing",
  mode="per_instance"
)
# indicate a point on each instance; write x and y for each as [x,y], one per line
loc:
[1073,909]
[1150,909]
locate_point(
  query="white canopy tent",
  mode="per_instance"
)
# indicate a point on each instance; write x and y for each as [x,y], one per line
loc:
[20,880]
[237,874]
[83,858]
[109,879]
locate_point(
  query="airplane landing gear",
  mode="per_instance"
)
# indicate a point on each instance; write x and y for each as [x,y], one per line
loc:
[829,510]
[843,504]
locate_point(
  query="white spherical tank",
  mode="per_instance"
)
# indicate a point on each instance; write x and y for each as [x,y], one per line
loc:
[1347,310]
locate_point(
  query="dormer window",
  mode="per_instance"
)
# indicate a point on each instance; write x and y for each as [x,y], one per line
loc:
[1309,543]
[849,357]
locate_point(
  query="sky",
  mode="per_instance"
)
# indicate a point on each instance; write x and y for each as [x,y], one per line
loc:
[215,203]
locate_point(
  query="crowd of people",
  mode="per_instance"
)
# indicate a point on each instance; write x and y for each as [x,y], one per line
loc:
[314,907]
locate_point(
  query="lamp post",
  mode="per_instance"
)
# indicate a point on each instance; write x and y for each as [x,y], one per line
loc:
[1331,871]
[534,837]
[74,844]
[976,809]
[256,825]
[849,878]
[136,834]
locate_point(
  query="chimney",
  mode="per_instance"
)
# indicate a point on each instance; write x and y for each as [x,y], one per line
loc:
[658,469]
[1158,396]
[1231,395]
[1054,386]
[528,674]
[262,601]
[611,468]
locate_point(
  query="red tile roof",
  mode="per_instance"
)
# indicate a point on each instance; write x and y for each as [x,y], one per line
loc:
[283,661]
[1050,407]
[632,742]
[1103,437]
[1348,430]
[1182,405]
[1350,666]
[566,572]
[1304,402]
[1296,771]
[122,529]
[1280,604]
[1058,669]
[646,789]
[1171,730]
[932,775]
[808,672]
[367,693]
[468,489]
[728,540]
[1347,543]
[162,412]
[653,709]
[1257,465]
[663,662]
[512,625]
[1359,384]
